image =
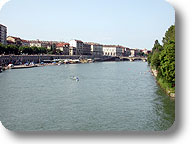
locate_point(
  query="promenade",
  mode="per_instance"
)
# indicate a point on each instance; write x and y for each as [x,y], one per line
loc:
[17,59]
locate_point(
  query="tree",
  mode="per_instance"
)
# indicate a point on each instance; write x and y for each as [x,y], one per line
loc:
[11,49]
[157,46]
[149,58]
[42,50]
[155,61]
[169,35]
[35,50]
[163,57]
[2,48]
[167,64]
[26,50]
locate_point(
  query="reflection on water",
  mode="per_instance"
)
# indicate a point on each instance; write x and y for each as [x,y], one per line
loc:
[108,96]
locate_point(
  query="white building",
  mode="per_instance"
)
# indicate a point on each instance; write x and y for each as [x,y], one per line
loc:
[133,52]
[112,50]
[14,40]
[3,34]
[35,43]
[76,47]
[25,43]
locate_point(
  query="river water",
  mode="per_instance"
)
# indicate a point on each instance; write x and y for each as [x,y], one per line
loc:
[108,96]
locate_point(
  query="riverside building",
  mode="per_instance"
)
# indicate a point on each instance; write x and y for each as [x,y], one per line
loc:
[63,47]
[14,40]
[96,49]
[3,34]
[76,47]
[112,50]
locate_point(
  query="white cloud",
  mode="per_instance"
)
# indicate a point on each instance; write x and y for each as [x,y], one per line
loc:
[2,3]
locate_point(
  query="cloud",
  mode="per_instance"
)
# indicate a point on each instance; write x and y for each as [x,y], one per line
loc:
[2,3]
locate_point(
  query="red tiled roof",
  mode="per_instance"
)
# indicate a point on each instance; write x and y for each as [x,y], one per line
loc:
[25,41]
[62,44]
[15,37]
[78,40]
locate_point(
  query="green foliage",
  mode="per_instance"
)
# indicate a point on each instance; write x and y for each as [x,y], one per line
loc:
[162,58]
[154,57]
[14,49]
[149,58]
[140,53]
[167,65]
[155,61]
[169,35]
[9,49]
[157,47]
[2,48]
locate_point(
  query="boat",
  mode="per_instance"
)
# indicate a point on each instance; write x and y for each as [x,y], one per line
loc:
[75,78]
[23,66]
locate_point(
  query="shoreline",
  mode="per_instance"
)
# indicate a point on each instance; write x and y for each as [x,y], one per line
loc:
[167,90]
[28,61]
[52,63]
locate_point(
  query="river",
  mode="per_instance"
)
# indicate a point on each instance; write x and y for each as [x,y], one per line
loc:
[111,96]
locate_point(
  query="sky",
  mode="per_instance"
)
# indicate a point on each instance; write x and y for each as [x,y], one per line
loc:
[130,23]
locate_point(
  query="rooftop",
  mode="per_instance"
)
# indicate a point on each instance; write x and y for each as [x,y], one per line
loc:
[3,25]
[61,44]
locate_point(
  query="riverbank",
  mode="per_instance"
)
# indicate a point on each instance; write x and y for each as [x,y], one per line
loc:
[22,66]
[169,91]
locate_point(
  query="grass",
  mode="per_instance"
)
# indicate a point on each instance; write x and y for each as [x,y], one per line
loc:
[166,86]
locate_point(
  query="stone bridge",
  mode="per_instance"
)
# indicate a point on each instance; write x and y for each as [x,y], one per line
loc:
[133,58]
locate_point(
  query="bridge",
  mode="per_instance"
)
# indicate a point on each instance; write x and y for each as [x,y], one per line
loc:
[133,58]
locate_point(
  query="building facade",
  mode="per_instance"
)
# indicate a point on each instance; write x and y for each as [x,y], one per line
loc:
[3,34]
[86,49]
[95,49]
[72,50]
[37,43]
[63,47]
[112,50]
[76,47]
[25,43]
[133,52]
[14,40]
[125,51]
[145,51]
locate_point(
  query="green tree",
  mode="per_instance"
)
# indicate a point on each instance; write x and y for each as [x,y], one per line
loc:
[163,58]
[149,58]
[42,50]
[2,48]
[35,50]
[155,61]
[167,64]
[11,49]
[169,35]
[26,50]
[157,46]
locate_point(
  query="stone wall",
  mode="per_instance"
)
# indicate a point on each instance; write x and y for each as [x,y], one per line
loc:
[16,59]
